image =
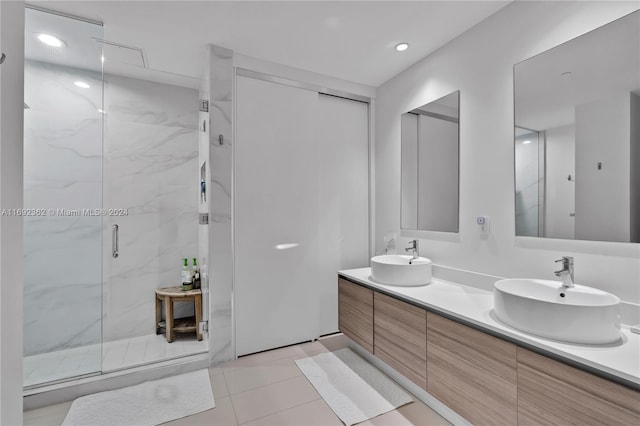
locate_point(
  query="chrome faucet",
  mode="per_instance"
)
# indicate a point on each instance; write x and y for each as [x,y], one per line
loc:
[413,248]
[566,273]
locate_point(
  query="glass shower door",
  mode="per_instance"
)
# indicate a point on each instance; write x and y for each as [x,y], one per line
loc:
[151,193]
[129,160]
[62,198]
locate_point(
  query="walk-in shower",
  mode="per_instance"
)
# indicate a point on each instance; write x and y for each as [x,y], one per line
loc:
[106,143]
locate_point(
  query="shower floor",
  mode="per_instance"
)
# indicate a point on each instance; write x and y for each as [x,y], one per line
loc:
[110,356]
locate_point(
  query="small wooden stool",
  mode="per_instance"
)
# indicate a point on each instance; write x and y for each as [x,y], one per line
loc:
[170,295]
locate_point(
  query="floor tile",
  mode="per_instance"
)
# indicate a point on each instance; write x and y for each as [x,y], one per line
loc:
[334,342]
[155,349]
[261,389]
[47,416]
[219,386]
[110,356]
[309,349]
[413,414]
[135,351]
[263,357]
[315,413]
[214,371]
[267,400]
[222,415]
[240,379]
[114,353]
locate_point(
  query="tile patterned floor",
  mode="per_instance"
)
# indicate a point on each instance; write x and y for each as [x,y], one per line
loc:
[268,389]
[111,356]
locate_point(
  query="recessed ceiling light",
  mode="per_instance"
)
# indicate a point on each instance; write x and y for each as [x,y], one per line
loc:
[82,84]
[401,47]
[50,40]
[526,142]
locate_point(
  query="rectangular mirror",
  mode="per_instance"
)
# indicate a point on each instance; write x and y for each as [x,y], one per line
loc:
[430,145]
[577,137]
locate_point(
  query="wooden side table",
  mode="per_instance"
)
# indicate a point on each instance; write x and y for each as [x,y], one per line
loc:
[170,295]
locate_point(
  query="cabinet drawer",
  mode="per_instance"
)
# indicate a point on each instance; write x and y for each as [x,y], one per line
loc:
[355,313]
[400,337]
[471,372]
[552,393]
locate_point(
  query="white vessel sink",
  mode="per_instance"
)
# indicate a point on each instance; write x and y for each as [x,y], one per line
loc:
[400,270]
[578,314]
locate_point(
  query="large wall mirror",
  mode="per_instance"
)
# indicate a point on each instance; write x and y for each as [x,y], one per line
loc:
[577,137]
[430,144]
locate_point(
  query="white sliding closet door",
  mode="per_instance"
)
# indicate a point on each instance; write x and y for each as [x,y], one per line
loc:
[275,205]
[300,210]
[343,143]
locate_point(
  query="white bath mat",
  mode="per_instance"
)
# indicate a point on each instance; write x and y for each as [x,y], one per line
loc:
[149,403]
[354,389]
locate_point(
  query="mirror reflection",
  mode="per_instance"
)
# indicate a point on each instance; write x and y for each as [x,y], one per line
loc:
[577,137]
[430,144]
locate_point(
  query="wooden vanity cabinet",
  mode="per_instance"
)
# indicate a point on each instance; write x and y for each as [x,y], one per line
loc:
[355,313]
[486,380]
[553,393]
[400,337]
[471,372]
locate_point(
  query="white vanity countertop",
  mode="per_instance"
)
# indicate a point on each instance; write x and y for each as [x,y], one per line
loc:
[475,306]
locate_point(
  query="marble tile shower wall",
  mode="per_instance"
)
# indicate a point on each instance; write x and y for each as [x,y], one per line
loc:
[63,170]
[151,169]
[220,228]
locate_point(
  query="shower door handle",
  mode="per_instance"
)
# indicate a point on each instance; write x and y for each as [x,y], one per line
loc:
[114,241]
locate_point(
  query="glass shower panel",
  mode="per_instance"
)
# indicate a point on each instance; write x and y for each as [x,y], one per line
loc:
[529,190]
[62,197]
[151,191]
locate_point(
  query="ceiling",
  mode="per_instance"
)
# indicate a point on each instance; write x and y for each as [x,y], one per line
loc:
[351,40]
[594,66]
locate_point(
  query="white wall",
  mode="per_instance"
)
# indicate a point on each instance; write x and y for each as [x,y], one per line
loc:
[603,136]
[560,191]
[11,254]
[409,135]
[437,174]
[635,168]
[480,64]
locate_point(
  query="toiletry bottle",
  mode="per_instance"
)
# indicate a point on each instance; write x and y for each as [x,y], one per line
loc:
[196,275]
[187,282]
